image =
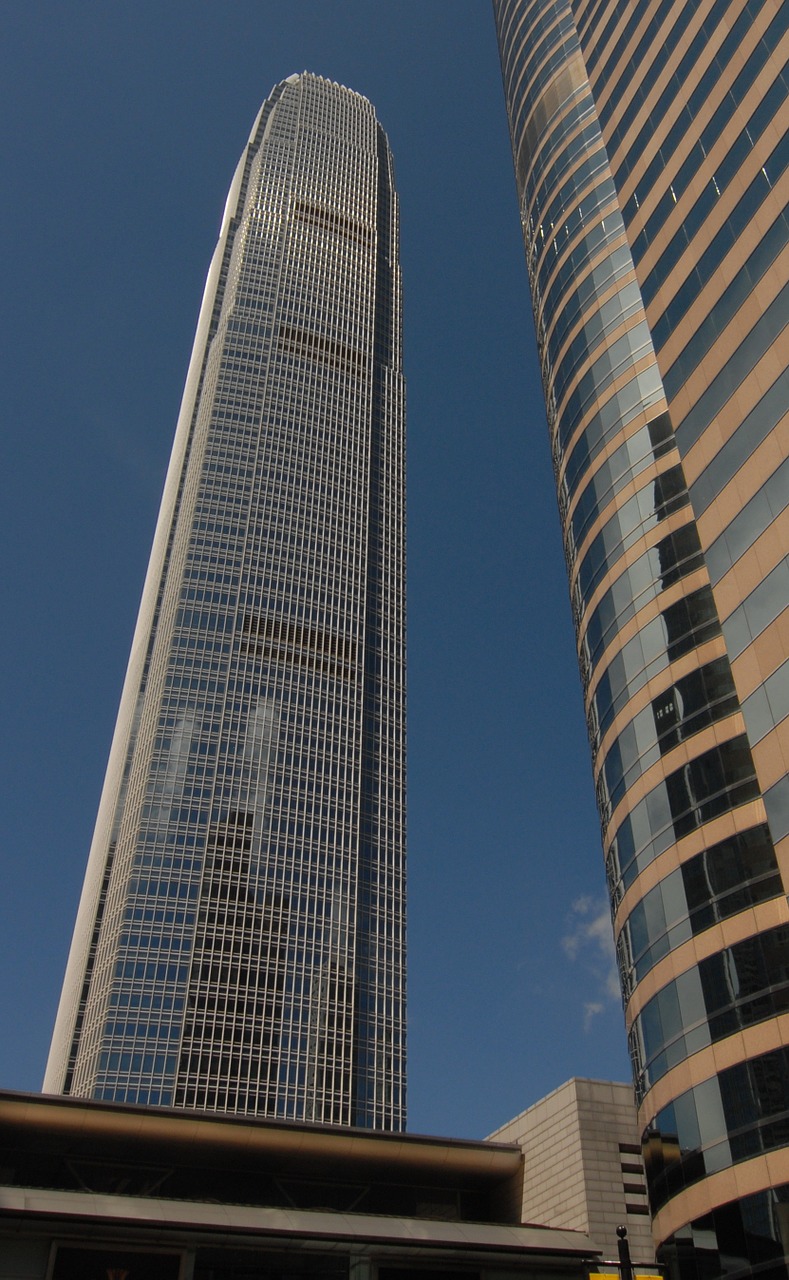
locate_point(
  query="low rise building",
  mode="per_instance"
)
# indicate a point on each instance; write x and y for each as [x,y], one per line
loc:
[105,1191]
[582,1168]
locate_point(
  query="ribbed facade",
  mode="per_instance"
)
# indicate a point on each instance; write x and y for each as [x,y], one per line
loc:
[240,944]
[649,142]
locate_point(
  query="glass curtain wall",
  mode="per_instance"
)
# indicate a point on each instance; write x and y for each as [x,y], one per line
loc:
[240,944]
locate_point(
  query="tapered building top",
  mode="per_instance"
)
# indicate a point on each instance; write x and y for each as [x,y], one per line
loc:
[240,939]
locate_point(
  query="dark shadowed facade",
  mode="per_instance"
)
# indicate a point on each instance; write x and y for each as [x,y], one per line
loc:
[95,1190]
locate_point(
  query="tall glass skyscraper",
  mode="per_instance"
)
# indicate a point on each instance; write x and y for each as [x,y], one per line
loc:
[650,147]
[240,940]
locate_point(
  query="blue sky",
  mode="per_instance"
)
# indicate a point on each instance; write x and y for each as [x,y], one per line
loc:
[123,123]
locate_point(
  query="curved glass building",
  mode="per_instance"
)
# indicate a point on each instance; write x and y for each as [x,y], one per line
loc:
[240,940]
[649,142]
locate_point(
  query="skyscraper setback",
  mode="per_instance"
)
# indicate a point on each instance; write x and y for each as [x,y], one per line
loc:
[240,939]
[650,149]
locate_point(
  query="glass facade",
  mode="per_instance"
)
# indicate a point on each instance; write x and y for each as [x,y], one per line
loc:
[240,944]
[649,143]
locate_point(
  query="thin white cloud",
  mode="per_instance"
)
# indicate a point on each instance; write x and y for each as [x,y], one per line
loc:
[591,1009]
[589,940]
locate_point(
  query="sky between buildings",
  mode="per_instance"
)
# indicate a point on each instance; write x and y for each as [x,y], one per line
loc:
[122,126]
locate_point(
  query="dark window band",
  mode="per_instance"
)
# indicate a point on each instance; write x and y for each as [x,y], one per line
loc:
[697,700]
[716,782]
[680,627]
[719,882]
[667,562]
[734,988]
[731,1117]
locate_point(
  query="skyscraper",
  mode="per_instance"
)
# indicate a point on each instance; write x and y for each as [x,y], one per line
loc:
[650,149]
[240,939]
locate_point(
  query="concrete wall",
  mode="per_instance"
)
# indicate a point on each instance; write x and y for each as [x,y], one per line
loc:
[583,1168]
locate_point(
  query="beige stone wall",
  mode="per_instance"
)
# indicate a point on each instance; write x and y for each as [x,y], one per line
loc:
[583,1167]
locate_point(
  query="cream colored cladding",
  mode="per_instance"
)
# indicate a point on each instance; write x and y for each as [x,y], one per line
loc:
[705,208]
[650,150]
[699,148]
[582,1166]
[241,941]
